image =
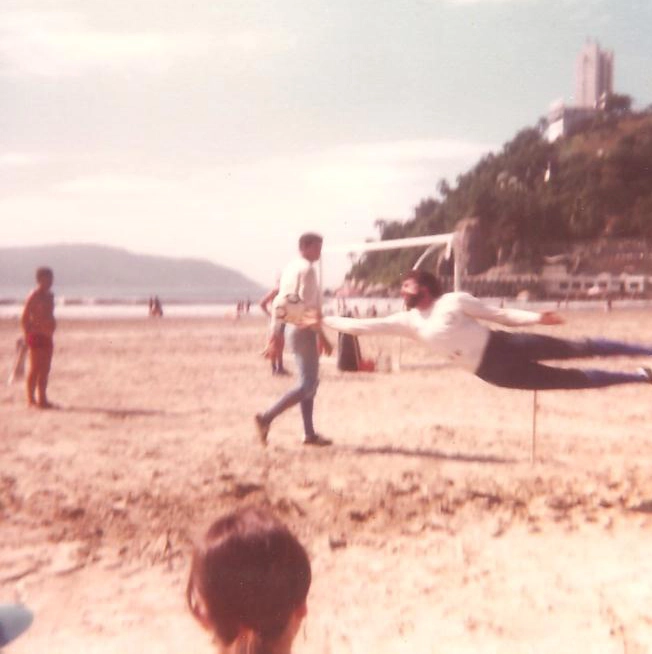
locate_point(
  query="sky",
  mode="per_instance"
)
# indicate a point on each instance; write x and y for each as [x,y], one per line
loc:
[223,129]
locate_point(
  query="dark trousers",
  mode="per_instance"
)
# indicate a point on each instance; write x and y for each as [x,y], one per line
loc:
[306,354]
[511,360]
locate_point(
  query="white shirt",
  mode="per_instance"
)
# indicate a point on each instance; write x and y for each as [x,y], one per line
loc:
[448,328]
[299,277]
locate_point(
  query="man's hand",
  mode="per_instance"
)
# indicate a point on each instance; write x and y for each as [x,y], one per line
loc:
[273,347]
[311,318]
[325,346]
[550,318]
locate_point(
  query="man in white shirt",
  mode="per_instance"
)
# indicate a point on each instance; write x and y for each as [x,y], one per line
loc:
[299,278]
[448,325]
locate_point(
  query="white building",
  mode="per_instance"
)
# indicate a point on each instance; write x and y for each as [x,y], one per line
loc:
[593,76]
[562,120]
[593,85]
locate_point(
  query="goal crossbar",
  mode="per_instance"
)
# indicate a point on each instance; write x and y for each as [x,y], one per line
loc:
[391,244]
[430,242]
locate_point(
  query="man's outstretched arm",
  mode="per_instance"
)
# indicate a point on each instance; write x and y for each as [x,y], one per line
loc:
[396,324]
[475,308]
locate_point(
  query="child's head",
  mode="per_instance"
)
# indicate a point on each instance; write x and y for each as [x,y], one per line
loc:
[44,277]
[249,579]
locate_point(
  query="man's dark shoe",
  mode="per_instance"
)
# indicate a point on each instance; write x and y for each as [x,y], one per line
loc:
[317,440]
[262,427]
[647,372]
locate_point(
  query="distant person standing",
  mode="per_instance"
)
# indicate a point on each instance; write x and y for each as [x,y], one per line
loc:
[38,324]
[299,278]
[277,359]
[155,307]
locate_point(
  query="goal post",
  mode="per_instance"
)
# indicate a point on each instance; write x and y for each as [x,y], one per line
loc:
[392,244]
[432,242]
[450,241]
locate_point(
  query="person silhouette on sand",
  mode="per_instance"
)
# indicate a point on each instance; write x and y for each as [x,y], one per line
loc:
[38,325]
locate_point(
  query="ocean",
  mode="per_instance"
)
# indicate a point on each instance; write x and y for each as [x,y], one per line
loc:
[123,310]
[118,310]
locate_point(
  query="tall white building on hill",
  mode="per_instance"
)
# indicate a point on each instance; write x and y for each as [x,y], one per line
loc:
[593,76]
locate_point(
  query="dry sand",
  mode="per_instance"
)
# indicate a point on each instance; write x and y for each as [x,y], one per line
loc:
[429,528]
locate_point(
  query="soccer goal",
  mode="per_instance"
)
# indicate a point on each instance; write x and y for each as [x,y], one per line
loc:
[432,243]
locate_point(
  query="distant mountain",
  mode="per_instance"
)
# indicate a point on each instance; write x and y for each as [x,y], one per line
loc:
[106,273]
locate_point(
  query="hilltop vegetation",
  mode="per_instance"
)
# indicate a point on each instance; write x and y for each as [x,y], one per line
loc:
[535,197]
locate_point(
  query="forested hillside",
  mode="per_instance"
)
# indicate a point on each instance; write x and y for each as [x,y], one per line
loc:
[535,197]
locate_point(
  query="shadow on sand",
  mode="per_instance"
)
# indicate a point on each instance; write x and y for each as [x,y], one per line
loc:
[432,454]
[643,507]
[114,413]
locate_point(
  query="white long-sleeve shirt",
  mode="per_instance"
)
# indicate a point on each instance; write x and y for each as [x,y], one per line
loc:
[450,327]
[299,277]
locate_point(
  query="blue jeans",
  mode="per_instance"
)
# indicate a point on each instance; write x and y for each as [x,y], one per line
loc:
[306,354]
[511,360]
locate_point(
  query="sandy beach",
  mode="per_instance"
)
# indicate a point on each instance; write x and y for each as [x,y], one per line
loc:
[429,527]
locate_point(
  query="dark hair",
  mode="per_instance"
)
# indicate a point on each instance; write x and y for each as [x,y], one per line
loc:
[248,573]
[427,279]
[307,239]
[42,272]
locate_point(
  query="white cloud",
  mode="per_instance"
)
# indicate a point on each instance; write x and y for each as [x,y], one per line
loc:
[487,2]
[53,44]
[432,149]
[396,162]
[255,41]
[362,179]
[587,5]
[21,159]
[110,184]
[246,215]
[63,44]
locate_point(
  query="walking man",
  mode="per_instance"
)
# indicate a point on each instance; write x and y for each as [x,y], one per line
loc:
[299,278]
